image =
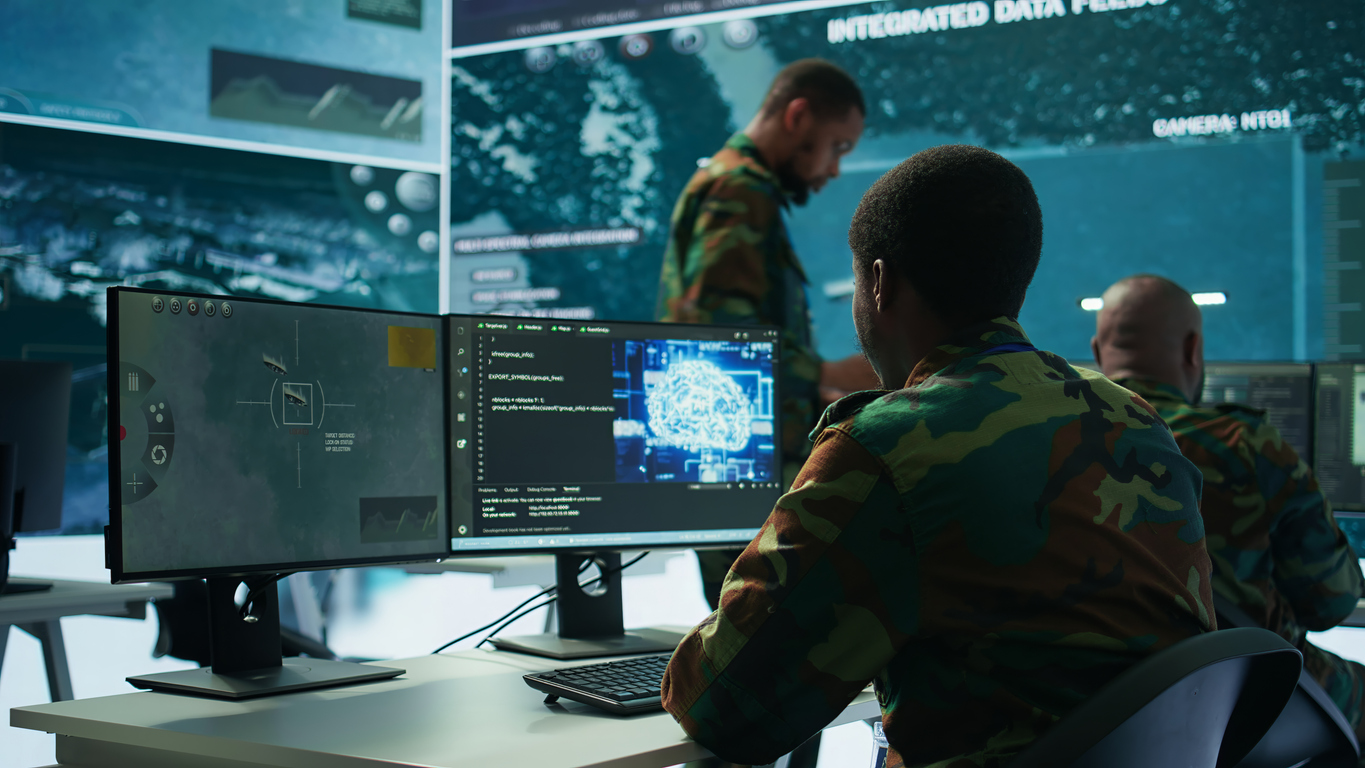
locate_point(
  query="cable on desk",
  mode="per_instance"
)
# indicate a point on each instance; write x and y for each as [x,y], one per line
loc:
[537,596]
[505,624]
[468,635]
[597,580]
[503,621]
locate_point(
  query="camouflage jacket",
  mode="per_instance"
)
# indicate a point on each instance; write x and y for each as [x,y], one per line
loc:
[990,545]
[730,260]
[1277,552]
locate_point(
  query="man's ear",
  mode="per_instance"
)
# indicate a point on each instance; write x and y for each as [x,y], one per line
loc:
[796,114]
[1192,351]
[1095,350]
[883,286]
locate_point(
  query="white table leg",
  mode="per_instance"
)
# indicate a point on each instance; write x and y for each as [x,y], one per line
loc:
[49,634]
[4,638]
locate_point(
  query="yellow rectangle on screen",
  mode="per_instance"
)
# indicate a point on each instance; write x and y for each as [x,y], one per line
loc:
[412,347]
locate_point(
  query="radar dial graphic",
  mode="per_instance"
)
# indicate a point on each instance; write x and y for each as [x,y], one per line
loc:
[146,434]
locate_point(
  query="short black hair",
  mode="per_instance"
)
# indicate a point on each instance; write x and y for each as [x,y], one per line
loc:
[961,223]
[830,90]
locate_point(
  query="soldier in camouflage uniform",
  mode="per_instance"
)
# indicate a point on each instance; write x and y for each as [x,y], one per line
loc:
[1277,551]
[729,258]
[990,543]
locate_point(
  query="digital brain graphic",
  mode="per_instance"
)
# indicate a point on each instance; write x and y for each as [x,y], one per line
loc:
[697,406]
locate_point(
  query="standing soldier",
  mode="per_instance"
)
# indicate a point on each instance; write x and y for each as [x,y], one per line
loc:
[1277,552]
[729,258]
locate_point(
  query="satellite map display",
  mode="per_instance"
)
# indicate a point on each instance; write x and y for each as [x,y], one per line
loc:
[150,64]
[80,212]
[1177,137]
[261,433]
[694,411]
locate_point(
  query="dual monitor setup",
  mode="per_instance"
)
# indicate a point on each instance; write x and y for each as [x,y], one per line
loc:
[1319,410]
[256,438]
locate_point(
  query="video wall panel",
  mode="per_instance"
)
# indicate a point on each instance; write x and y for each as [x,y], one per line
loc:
[1179,137]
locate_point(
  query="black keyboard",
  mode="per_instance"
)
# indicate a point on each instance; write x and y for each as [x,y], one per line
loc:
[623,687]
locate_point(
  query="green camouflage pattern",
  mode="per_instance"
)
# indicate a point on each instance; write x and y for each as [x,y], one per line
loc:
[990,545]
[730,261]
[1277,551]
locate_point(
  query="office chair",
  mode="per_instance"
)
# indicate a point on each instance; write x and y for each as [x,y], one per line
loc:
[1311,731]
[1204,702]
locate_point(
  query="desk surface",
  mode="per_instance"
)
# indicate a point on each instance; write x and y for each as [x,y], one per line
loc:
[74,598]
[458,710]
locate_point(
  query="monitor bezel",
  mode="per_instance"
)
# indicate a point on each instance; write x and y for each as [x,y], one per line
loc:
[1351,509]
[113,534]
[566,549]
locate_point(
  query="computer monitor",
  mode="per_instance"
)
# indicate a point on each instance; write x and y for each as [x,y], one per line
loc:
[1339,455]
[1283,390]
[257,438]
[1352,523]
[580,438]
[35,400]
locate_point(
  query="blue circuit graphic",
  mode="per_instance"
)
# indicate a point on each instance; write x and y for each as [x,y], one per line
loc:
[694,411]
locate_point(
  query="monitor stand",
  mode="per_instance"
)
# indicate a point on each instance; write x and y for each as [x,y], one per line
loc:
[9,586]
[592,621]
[246,654]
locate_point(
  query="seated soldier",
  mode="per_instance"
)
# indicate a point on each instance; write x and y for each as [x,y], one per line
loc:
[990,542]
[1277,552]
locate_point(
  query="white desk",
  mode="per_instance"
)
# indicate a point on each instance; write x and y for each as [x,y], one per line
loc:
[40,614]
[462,710]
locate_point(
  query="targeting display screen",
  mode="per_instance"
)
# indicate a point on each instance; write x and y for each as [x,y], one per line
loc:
[262,436]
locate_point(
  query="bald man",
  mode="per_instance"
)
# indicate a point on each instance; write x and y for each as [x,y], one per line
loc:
[1277,552]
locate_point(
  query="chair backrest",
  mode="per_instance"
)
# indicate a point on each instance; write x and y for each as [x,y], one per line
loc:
[1204,702]
[1311,728]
